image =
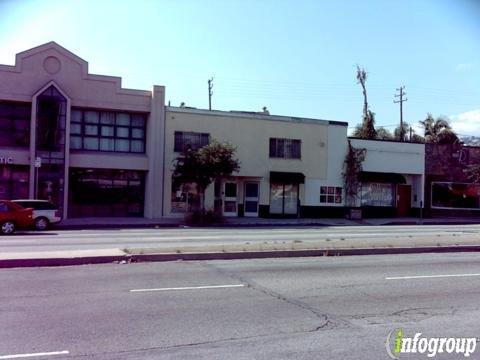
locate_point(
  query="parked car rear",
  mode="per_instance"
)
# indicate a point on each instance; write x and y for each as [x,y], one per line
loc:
[14,216]
[44,212]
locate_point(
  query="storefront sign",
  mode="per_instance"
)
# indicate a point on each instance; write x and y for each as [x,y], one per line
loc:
[6,160]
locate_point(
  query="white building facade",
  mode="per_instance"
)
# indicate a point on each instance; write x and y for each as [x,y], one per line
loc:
[285,162]
[393,178]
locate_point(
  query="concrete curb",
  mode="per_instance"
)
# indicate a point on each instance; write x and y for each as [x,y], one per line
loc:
[312,223]
[57,261]
[298,253]
[163,257]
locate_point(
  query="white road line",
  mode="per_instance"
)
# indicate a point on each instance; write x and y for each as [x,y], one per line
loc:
[430,276]
[190,288]
[20,356]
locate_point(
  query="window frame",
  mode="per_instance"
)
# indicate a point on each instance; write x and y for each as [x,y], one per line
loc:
[283,148]
[113,127]
[179,143]
[332,195]
[17,113]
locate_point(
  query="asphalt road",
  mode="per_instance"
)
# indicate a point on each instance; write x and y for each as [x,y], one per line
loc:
[157,238]
[300,308]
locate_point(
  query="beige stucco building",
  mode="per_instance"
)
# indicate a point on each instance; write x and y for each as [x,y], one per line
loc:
[280,157]
[79,139]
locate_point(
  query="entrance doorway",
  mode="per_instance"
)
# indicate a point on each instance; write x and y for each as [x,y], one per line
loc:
[230,198]
[404,196]
[251,199]
[284,199]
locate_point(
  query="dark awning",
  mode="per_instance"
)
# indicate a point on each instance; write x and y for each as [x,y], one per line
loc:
[391,178]
[286,177]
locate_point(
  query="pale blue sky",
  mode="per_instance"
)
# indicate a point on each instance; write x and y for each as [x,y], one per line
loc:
[297,58]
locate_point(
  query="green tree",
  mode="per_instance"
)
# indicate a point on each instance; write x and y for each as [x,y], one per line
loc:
[438,131]
[368,118]
[205,165]
[352,167]
[401,134]
[384,134]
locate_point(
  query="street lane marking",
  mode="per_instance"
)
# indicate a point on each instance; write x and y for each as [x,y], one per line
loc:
[190,288]
[20,356]
[429,276]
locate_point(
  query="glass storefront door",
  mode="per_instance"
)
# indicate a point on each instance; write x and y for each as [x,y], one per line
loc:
[251,199]
[283,199]
[230,199]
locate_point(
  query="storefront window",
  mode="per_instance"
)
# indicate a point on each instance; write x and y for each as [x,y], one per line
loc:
[377,194]
[455,195]
[185,198]
[104,192]
[283,199]
[14,182]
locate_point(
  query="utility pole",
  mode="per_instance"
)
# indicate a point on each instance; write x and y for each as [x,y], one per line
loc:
[210,93]
[401,95]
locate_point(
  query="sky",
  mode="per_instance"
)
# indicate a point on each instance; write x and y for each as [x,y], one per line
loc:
[296,57]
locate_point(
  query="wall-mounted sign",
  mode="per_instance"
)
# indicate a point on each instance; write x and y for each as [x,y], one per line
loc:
[6,160]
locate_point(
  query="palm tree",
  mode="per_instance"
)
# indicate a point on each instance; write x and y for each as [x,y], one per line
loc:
[438,131]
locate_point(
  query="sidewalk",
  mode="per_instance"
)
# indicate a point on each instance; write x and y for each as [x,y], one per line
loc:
[85,223]
[248,250]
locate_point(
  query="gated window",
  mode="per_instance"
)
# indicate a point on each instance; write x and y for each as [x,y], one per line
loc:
[285,148]
[190,140]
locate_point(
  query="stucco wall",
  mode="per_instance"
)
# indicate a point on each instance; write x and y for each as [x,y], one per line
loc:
[389,156]
[50,62]
[337,147]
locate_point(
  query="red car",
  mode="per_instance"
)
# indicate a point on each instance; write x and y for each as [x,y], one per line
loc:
[13,216]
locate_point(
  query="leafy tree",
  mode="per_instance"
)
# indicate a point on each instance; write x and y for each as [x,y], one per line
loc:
[417,138]
[400,134]
[205,165]
[384,134]
[438,131]
[352,166]
[368,118]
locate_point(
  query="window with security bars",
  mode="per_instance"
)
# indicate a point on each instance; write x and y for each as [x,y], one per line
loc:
[190,140]
[285,148]
[107,131]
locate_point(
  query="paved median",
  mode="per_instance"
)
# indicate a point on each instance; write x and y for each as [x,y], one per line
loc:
[343,246]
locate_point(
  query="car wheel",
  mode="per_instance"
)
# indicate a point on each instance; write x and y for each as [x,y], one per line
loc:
[41,223]
[7,228]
